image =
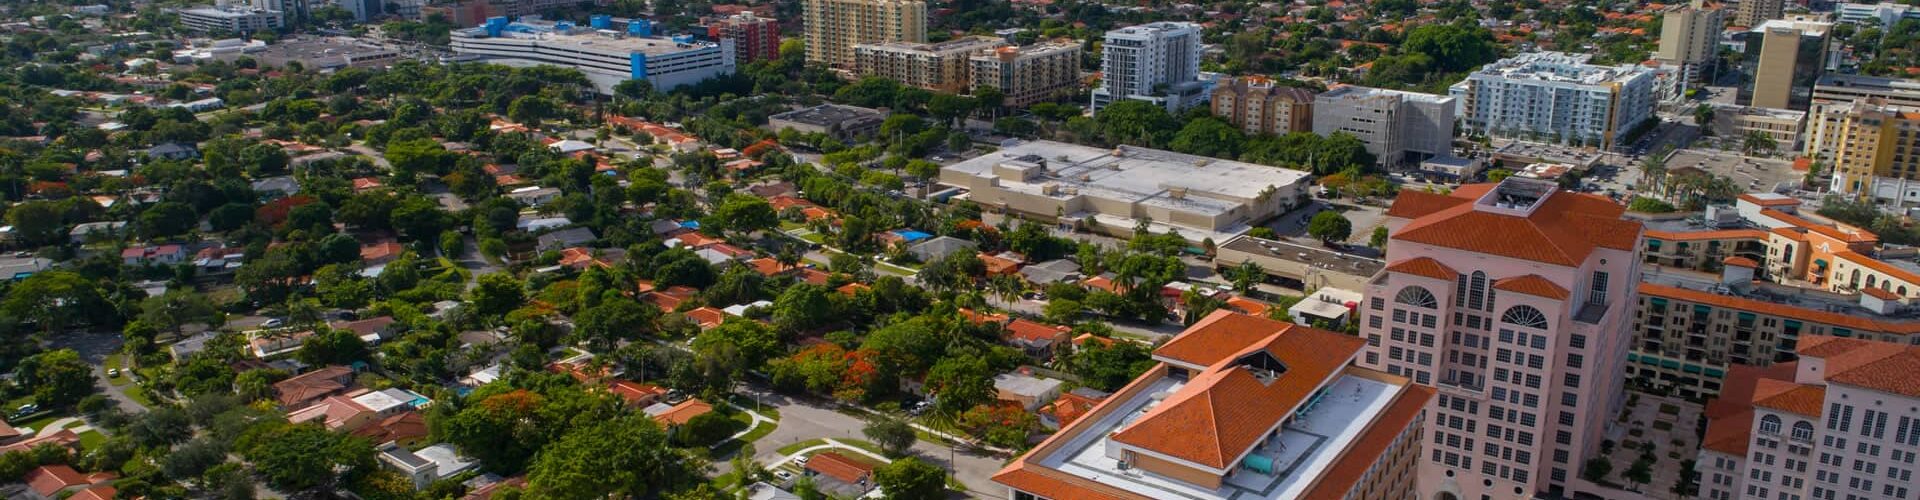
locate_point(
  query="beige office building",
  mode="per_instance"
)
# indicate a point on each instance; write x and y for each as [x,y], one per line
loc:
[834,27]
[1785,58]
[1258,106]
[940,67]
[1753,12]
[1029,74]
[1833,98]
[1872,141]
[1690,37]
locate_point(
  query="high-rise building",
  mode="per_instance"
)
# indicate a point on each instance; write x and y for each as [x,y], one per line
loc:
[1690,38]
[1556,97]
[834,27]
[1030,74]
[1872,142]
[1752,13]
[754,38]
[1784,58]
[1842,422]
[1398,127]
[1239,407]
[1515,299]
[1259,106]
[1153,62]
[1833,97]
[940,67]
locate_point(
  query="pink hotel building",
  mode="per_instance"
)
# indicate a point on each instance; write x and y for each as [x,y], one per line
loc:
[1515,300]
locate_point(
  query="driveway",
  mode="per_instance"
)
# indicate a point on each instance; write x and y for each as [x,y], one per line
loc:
[802,420]
[471,260]
[94,347]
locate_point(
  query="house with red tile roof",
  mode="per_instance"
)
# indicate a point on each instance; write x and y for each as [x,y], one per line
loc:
[1036,339]
[49,481]
[637,394]
[336,413]
[840,471]
[1070,406]
[304,389]
[671,416]
[1237,406]
[381,253]
[96,492]
[63,438]
[670,298]
[707,317]
[407,429]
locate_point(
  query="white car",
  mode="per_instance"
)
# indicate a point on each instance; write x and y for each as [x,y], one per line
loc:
[273,323]
[800,460]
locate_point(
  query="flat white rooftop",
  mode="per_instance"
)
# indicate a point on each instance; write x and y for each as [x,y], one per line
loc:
[1133,174]
[1305,448]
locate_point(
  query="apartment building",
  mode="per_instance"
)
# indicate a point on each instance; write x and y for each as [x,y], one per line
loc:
[1514,300]
[1690,38]
[1556,97]
[754,38]
[230,19]
[1842,422]
[1239,407]
[607,57]
[1025,75]
[1883,15]
[1876,147]
[1397,127]
[939,67]
[1752,13]
[1833,97]
[1693,329]
[834,27]
[1259,106]
[1153,62]
[1785,58]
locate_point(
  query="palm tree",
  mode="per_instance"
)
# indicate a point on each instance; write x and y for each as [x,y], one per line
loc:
[1759,141]
[1703,116]
[1006,287]
[1653,169]
[787,257]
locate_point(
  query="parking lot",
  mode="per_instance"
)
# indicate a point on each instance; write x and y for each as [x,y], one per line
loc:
[1750,173]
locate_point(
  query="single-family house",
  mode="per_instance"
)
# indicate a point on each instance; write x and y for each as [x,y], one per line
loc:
[430,464]
[1024,388]
[336,413]
[378,254]
[676,415]
[1037,340]
[265,344]
[534,196]
[1052,271]
[162,255]
[637,394]
[63,438]
[276,187]
[940,247]
[89,230]
[370,330]
[50,481]
[187,347]
[173,151]
[707,317]
[1070,406]
[834,472]
[405,429]
[571,237]
[300,391]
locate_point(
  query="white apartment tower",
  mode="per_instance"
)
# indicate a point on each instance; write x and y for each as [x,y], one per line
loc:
[1155,62]
[1556,97]
[1515,300]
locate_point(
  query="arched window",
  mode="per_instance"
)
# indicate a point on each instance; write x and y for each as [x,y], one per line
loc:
[1525,316]
[1887,285]
[1477,292]
[1855,281]
[1903,290]
[1417,297]
[1871,282]
[1770,424]
[1802,431]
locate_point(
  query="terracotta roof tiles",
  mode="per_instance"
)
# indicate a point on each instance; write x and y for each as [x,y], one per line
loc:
[1531,284]
[1424,266]
[1563,230]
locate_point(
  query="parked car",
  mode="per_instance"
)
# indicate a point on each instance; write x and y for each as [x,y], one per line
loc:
[802,460]
[273,323]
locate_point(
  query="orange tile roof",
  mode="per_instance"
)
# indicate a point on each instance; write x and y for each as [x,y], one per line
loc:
[1227,409]
[635,392]
[1563,230]
[1248,306]
[1880,294]
[1032,331]
[669,299]
[851,289]
[1843,233]
[1881,366]
[1069,407]
[997,265]
[837,466]
[1730,434]
[1531,284]
[65,437]
[100,492]
[1786,311]
[1739,261]
[768,266]
[1049,483]
[1766,202]
[1724,234]
[48,480]
[683,412]
[1367,448]
[815,276]
[707,317]
[1877,265]
[978,317]
[1789,233]
[1424,266]
[1799,399]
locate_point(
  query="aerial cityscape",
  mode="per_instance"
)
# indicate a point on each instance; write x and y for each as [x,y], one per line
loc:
[959,249]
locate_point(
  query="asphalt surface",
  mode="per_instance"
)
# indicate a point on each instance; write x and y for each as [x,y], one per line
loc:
[802,420]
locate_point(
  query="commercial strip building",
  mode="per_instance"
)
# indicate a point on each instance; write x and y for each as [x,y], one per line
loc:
[1397,127]
[607,56]
[834,27]
[754,38]
[326,53]
[233,19]
[1257,105]
[1842,422]
[1690,38]
[1239,407]
[1784,57]
[1030,74]
[1782,125]
[843,123]
[1555,97]
[1110,190]
[939,67]
[1154,62]
[1514,300]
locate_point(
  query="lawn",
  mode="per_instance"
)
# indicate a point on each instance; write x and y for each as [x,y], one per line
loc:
[814,238]
[116,362]
[734,445]
[92,439]
[895,269]
[747,403]
[796,447]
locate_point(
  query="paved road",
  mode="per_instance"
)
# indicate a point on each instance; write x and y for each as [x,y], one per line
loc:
[378,159]
[94,349]
[802,420]
[1153,333]
[471,260]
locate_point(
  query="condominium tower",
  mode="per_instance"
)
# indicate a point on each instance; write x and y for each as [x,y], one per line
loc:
[1257,105]
[940,67]
[1397,127]
[1239,407]
[1842,422]
[754,38]
[1873,143]
[1785,58]
[1030,74]
[834,27]
[1153,62]
[1556,97]
[1751,13]
[1690,38]
[1515,300]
